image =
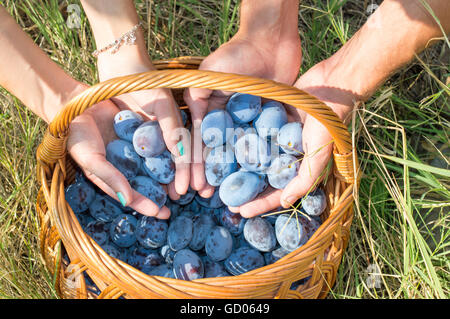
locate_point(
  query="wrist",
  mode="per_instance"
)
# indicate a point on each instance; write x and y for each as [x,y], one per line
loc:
[269,21]
[57,100]
[339,95]
[130,59]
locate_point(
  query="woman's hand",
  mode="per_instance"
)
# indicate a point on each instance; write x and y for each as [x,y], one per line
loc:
[89,133]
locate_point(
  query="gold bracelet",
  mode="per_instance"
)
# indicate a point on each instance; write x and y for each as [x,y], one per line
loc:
[128,38]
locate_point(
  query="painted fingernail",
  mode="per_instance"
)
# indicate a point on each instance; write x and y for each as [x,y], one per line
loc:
[180,148]
[122,199]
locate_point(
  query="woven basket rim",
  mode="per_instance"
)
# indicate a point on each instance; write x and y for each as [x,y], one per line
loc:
[92,94]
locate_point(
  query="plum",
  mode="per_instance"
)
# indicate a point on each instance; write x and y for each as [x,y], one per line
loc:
[243,108]
[148,139]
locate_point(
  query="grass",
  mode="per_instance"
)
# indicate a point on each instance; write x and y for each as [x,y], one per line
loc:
[399,245]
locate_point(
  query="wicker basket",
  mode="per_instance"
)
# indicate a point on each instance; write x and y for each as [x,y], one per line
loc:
[61,233]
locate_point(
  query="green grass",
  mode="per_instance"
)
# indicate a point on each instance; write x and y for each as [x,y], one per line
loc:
[401,224]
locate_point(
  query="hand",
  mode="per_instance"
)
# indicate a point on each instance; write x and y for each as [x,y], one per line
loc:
[242,55]
[89,133]
[317,144]
[155,104]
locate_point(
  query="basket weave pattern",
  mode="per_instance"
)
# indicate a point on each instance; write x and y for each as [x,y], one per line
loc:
[61,233]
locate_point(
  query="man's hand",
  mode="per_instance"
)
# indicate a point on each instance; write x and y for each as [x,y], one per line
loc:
[267,45]
[317,144]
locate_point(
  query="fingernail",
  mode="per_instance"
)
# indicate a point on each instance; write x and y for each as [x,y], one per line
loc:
[122,199]
[180,148]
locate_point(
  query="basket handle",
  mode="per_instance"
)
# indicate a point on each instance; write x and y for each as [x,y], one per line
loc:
[52,147]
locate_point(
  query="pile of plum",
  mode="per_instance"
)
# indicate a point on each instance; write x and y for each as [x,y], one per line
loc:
[202,238]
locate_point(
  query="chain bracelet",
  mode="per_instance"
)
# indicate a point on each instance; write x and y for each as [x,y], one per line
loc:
[128,38]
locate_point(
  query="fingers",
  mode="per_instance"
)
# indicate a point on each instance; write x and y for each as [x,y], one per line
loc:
[112,182]
[267,201]
[317,144]
[175,136]
[197,100]
[87,148]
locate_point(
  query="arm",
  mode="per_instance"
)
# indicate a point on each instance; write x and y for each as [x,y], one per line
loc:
[394,34]
[110,19]
[28,73]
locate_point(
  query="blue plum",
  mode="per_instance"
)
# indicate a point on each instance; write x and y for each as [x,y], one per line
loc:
[213,268]
[216,128]
[274,255]
[174,208]
[272,117]
[79,196]
[98,231]
[282,170]
[163,270]
[148,139]
[167,253]
[260,234]
[315,202]
[187,265]
[203,224]
[243,108]
[240,241]
[145,259]
[161,168]
[239,188]
[149,188]
[289,232]
[151,232]
[212,202]
[233,222]
[252,153]
[125,124]
[193,206]
[219,243]
[310,225]
[112,250]
[290,138]
[186,198]
[244,259]
[180,233]
[239,131]
[122,230]
[122,155]
[219,163]
[84,219]
[103,209]
[187,213]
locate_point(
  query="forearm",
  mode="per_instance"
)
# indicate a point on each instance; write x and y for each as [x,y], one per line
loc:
[110,19]
[29,74]
[269,20]
[392,36]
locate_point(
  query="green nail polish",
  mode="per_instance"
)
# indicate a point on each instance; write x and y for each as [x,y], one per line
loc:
[180,148]
[122,199]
